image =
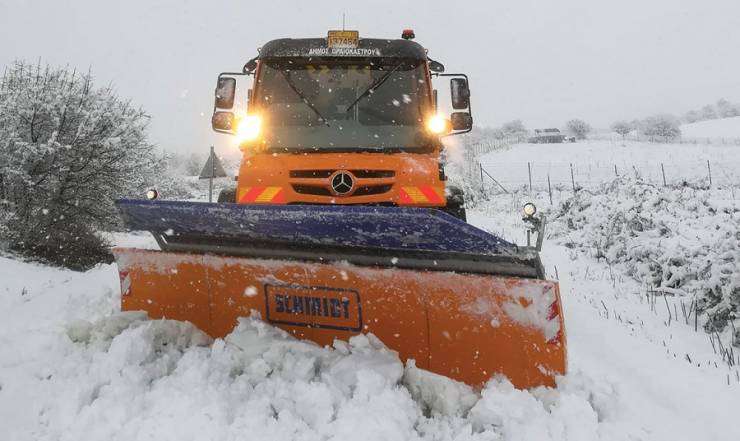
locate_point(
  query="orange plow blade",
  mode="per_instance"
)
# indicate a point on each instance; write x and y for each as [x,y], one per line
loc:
[466,326]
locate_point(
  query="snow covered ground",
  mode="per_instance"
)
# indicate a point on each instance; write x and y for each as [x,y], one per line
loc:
[727,128]
[594,163]
[74,368]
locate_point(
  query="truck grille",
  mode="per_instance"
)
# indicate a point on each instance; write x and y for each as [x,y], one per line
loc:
[312,190]
[362,174]
[365,190]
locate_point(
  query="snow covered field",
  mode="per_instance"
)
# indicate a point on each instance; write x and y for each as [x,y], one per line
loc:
[74,368]
[594,163]
[727,128]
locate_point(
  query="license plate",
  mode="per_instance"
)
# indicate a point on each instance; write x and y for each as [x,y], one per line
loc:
[343,39]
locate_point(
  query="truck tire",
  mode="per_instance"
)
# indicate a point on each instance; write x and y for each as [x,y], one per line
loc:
[227,196]
[455,203]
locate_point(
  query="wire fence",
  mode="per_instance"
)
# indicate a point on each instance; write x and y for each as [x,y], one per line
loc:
[574,175]
[693,140]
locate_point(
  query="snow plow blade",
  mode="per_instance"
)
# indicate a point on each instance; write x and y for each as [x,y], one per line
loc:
[461,302]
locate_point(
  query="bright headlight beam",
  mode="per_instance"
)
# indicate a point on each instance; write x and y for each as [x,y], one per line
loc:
[249,128]
[437,124]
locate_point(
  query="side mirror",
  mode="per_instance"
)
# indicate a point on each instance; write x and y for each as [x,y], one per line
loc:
[222,121]
[461,121]
[460,93]
[225,93]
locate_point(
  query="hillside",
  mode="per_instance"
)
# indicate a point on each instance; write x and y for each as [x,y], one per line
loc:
[716,128]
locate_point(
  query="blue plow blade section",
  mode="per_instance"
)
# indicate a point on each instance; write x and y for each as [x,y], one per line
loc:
[407,237]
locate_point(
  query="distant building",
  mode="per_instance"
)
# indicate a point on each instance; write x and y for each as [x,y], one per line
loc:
[549,136]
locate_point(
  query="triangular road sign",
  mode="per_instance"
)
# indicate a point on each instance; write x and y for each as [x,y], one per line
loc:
[213,168]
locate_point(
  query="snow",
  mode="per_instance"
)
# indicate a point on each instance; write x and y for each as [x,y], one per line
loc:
[594,162]
[78,370]
[728,128]
[73,367]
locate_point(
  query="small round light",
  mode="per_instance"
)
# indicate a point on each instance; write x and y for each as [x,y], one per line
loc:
[529,209]
[438,124]
[152,194]
[249,128]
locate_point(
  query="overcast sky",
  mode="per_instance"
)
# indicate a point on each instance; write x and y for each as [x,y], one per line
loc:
[540,61]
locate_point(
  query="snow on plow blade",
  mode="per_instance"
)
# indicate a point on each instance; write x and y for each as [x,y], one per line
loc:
[458,300]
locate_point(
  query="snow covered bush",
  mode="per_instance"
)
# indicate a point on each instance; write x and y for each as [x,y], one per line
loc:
[660,127]
[682,241]
[67,150]
[578,128]
[622,127]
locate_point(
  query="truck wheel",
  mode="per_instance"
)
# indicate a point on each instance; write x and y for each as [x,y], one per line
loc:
[455,203]
[227,196]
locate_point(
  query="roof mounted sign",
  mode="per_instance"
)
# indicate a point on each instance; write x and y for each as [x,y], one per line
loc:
[343,39]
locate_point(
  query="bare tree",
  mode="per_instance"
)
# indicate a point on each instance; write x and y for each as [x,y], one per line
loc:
[67,150]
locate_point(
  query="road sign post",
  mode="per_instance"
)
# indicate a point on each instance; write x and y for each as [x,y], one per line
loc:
[212,169]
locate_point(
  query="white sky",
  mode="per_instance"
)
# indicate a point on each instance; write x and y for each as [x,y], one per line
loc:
[541,61]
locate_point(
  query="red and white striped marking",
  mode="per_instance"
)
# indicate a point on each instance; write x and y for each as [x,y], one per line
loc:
[125,283]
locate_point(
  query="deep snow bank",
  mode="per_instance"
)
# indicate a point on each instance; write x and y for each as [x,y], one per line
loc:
[682,241]
[73,369]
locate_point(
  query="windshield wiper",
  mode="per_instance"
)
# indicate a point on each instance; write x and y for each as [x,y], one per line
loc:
[289,80]
[373,87]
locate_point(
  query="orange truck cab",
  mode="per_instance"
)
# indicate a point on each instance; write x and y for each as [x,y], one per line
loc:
[342,120]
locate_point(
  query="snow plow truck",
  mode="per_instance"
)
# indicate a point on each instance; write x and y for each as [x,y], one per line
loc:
[342,221]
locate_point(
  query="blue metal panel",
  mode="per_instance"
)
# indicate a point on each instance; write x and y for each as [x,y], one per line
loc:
[387,228]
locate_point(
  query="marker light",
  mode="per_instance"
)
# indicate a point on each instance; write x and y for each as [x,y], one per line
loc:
[152,194]
[438,124]
[529,209]
[249,128]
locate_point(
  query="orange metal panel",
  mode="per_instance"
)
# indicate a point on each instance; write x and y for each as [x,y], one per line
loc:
[468,327]
[492,325]
[166,286]
[419,173]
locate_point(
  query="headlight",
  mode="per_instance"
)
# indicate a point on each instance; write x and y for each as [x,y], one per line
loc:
[249,128]
[438,124]
[529,209]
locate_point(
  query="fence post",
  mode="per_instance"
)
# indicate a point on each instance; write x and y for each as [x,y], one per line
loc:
[662,169]
[709,170]
[481,172]
[615,171]
[572,178]
[529,171]
[549,188]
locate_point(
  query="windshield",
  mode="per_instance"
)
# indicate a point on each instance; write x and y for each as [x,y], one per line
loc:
[344,104]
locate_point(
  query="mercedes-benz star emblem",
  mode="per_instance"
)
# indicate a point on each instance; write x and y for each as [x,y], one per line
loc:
[342,183]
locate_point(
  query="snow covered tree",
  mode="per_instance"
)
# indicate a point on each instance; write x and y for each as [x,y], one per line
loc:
[661,127]
[514,128]
[67,150]
[622,127]
[708,112]
[725,109]
[578,128]
[692,116]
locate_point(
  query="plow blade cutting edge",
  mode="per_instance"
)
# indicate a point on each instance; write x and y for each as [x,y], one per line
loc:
[458,300]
